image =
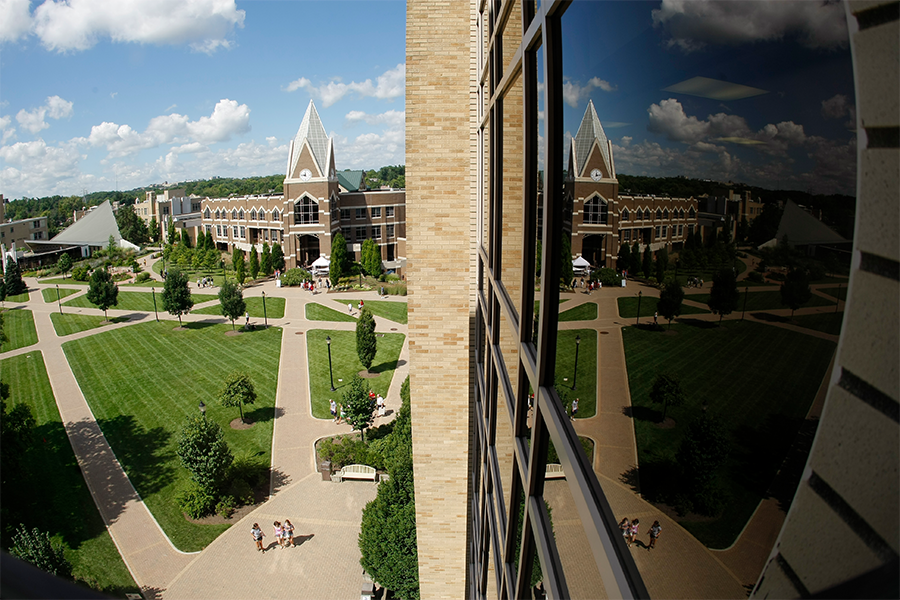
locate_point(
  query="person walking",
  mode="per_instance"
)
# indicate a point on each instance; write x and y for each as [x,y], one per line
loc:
[258,535]
[333,405]
[625,528]
[635,529]
[655,317]
[246,320]
[574,408]
[288,534]
[340,414]
[279,532]
[379,402]
[654,533]
[350,308]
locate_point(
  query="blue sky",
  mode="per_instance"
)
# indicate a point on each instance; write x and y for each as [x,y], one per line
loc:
[170,90]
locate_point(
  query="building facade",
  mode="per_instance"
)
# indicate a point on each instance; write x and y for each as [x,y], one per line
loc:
[16,233]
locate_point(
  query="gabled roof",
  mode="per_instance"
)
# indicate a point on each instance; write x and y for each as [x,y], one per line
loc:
[350,180]
[589,132]
[803,229]
[313,133]
[93,229]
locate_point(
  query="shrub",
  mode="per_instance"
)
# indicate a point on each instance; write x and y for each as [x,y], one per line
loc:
[225,507]
[241,491]
[776,276]
[142,277]
[80,273]
[294,277]
[196,501]
[347,450]
[391,277]
[121,276]
[755,276]
[36,547]
[607,276]
[250,470]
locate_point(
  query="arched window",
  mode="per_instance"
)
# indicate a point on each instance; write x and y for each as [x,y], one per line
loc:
[206,213]
[253,214]
[596,211]
[234,214]
[624,214]
[666,214]
[275,215]
[306,211]
[692,213]
[242,214]
[658,214]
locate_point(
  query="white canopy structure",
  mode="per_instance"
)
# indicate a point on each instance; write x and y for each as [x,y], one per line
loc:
[580,263]
[321,262]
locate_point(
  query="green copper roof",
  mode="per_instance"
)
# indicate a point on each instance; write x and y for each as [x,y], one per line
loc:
[351,180]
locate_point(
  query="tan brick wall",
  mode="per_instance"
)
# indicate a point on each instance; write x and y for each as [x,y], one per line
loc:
[440,216]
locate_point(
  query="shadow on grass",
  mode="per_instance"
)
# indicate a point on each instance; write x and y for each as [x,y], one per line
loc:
[197,325]
[699,324]
[261,415]
[126,318]
[762,451]
[642,413]
[386,366]
[770,318]
[655,480]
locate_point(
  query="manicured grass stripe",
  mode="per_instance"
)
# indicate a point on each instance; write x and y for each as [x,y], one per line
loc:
[66,280]
[583,312]
[50,293]
[142,381]
[586,380]
[393,311]
[18,325]
[140,301]
[840,292]
[824,322]
[769,300]
[346,364]
[67,324]
[62,505]
[274,308]
[628,307]
[23,297]
[317,312]
[757,380]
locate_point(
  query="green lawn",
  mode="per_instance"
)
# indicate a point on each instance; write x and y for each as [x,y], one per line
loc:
[67,323]
[840,293]
[274,307]
[586,380]
[60,503]
[757,380]
[50,293]
[345,365]
[140,301]
[770,300]
[317,312]
[824,322]
[18,325]
[393,311]
[67,280]
[150,283]
[142,381]
[628,307]
[582,312]
[23,297]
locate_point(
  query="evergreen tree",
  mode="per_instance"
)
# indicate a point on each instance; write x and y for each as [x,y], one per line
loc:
[211,259]
[634,260]
[176,296]
[237,391]
[232,300]
[201,240]
[64,264]
[371,258]
[359,409]
[254,262]
[14,284]
[153,230]
[647,264]
[170,232]
[670,299]
[662,264]
[724,295]
[366,344]
[103,291]
[566,270]
[538,257]
[237,262]
[795,291]
[340,261]
[185,238]
[667,391]
[267,262]
[204,452]
[277,257]
[623,260]
[131,226]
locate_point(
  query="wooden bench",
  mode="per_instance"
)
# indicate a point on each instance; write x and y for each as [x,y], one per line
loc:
[554,471]
[356,472]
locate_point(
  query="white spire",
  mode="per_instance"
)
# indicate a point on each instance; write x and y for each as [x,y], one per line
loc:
[313,132]
[589,131]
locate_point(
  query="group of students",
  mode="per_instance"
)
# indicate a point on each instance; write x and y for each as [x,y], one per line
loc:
[630,530]
[284,535]
[337,410]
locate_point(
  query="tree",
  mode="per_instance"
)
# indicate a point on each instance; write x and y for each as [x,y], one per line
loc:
[64,264]
[724,295]
[366,344]
[254,263]
[16,434]
[538,256]
[795,290]
[204,452]
[185,238]
[211,259]
[623,260]
[703,451]
[111,246]
[743,229]
[359,409]
[237,262]
[667,391]
[103,291]
[170,232]
[267,260]
[566,270]
[634,259]
[131,226]
[153,230]
[176,296]
[647,263]
[237,391]
[371,258]
[277,258]
[340,262]
[232,300]
[13,278]
[670,298]
[201,240]
[662,264]
[37,548]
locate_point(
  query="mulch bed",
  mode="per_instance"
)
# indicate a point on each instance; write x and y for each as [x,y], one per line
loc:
[367,375]
[238,424]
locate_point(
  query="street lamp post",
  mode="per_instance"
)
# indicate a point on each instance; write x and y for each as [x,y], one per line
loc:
[330,372]
[265,315]
[575,373]
[746,291]
[202,409]
[837,300]
[638,319]
[57,299]
[153,289]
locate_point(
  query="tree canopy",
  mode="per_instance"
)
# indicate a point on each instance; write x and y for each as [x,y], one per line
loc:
[724,295]
[176,296]
[254,263]
[237,262]
[340,260]
[667,391]
[64,264]
[232,300]
[277,257]
[237,391]
[103,291]
[371,258]
[13,282]
[204,452]
[266,262]
[359,409]
[131,226]
[670,299]
[795,291]
[366,342]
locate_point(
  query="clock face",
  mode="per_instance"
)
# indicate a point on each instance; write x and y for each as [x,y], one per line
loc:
[596,175]
[305,174]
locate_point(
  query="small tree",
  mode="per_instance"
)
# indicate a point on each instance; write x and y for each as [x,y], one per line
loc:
[237,391]
[366,344]
[623,260]
[13,278]
[647,264]
[176,296]
[103,291]
[634,259]
[201,240]
[795,290]
[37,548]
[204,452]
[237,262]
[266,262]
[277,257]
[211,259]
[371,258]
[670,299]
[232,300]
[566,270]
[359,410]
[170,232]
[185,238]
[662,264]
[340,262]
[64,264]
[153,230]
[724,295]
[254,263]
[667,391]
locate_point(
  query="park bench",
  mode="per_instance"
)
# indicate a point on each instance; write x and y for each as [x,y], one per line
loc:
[355,472]
[554,471]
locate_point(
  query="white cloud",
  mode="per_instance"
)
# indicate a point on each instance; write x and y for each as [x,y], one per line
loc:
[55,108]
[392,118]
[693,25]
[574,92]
[373,150]
[838,106]
[76,25]
[34,168]
[390,84]
[228,118]
[7,132]
[668,118]
[15,20]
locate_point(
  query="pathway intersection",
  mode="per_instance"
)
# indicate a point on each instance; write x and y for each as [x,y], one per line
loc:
[327,515]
